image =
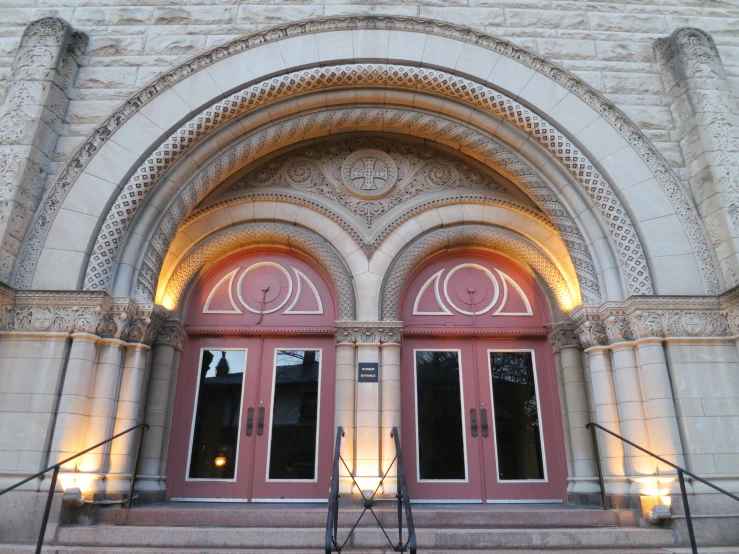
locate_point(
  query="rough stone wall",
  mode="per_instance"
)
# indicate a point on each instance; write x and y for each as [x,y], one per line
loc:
[607,44]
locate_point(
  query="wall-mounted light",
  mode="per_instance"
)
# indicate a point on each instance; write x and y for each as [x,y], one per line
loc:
[220,461]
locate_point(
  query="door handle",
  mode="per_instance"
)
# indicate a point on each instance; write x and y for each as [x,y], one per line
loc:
[260,422]
[473,422]
[249,422]
[484,421]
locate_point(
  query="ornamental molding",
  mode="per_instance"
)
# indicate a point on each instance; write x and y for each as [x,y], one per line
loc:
[31,119]
[95,313]
[655,316]
[616,220]
[171,333]
[484,147]
[225,241]
[495,238]
[638,141]
[704,112]
[656,163]
[369,332]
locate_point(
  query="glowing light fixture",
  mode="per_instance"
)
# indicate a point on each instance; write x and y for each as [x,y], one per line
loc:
[220,461]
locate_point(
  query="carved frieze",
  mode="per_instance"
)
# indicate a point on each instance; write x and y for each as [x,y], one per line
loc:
[652,316]
[172,333]
[563,335]
[369,332]
[82,312]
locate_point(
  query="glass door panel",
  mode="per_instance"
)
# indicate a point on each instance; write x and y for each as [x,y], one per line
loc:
[295,410]
[212,448]
[439,440]
[439,416]
[294,428]
[215,434]
[524,453]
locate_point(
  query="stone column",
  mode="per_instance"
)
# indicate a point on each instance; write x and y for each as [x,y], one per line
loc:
[168,417]
[704,112]
[367,464]
[633,416]
[165,358]
[130,397]
[390,417]
[344,409]
[101,418]
[30,122]
[74,402]
[659,403]
[606,413]
[568,356]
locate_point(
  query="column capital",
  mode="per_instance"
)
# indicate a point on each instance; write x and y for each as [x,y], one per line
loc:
[368,332]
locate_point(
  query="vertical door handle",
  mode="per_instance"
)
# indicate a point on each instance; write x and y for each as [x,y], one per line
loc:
[249,422]
[473,422]
[484,421]
[260,422]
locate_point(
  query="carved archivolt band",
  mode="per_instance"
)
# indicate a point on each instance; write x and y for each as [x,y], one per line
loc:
[34,243]
[412,122]
[494,238]
[232,238]
[132,197]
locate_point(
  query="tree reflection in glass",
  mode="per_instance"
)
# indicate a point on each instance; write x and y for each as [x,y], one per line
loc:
[517,433]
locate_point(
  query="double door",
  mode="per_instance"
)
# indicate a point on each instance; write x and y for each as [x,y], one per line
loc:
[253,419]
[481,420]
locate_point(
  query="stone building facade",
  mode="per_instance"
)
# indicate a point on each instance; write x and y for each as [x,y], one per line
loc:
[593,146]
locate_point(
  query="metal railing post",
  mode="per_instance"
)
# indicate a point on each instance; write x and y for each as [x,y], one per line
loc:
[134,467]
[686,507]
[598,464]
[47,509]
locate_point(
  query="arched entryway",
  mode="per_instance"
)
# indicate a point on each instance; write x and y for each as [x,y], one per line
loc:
[480,409]
[254,406]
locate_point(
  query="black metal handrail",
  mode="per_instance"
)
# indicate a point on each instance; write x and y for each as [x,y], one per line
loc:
[403,499]
[55,475]
[681,472]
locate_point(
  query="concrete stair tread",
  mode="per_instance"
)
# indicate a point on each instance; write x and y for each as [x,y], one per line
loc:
[363,538]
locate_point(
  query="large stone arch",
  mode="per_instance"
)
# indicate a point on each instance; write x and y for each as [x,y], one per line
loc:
[596,143]
[550,198]
[494,238]
[223,242]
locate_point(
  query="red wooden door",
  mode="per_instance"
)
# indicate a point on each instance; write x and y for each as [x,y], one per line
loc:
[440,445]
[213,451]
[294,411]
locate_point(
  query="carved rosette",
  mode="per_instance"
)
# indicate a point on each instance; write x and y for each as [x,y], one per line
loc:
[369,332]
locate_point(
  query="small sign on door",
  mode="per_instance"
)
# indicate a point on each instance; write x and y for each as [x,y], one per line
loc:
[368,372]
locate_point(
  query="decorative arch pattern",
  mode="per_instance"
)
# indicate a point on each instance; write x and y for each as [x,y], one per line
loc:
[623,234]
[44,218]
[502,240]
[226,240]
[485,148]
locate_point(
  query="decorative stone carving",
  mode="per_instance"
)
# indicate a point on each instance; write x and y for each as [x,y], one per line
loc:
[325,168]
[83,312]
[30,120]
[172,332]
[563,335]
[369,332]
[482,146]
[628,246]
[496,238]
[660,168]
[221,242]
[371,173]
[652,316]
[704,112]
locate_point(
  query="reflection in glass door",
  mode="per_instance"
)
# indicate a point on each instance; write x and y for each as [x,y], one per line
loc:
[295,404]
[218,400]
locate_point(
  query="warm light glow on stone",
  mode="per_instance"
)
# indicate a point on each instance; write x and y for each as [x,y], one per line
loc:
[82,481]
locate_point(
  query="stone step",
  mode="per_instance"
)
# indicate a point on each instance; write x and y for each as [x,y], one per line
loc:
[280,538]
[423,517]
